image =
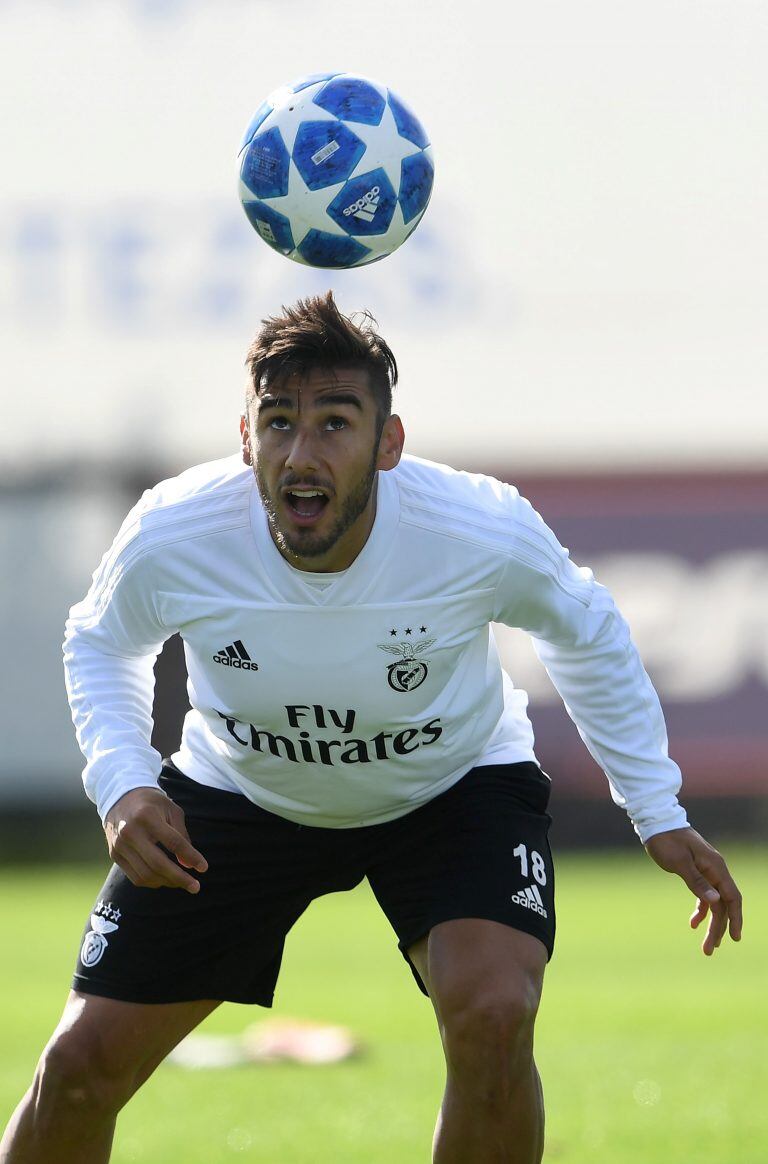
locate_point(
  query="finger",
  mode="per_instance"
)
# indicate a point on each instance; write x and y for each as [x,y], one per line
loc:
[156,867]
[132,870]
[698,915]
[718,873]
[136,870]
[177,841]
[717,925]
[731,896]
[169,873]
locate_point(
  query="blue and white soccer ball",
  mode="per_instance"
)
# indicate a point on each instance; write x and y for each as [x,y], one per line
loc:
[335,171]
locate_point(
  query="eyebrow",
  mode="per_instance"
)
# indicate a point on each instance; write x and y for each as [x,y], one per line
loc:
[268,401]
[333,398]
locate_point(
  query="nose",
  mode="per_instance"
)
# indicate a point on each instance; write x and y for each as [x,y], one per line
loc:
[302,454]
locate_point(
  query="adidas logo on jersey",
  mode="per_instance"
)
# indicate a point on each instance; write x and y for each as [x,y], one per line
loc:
[530,898]
[236,655]
[366,206]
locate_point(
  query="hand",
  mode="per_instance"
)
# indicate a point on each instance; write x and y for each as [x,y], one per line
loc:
[136,825]
[685,852]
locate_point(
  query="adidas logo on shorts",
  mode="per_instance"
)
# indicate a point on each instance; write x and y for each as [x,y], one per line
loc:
[530,898]
[235,655]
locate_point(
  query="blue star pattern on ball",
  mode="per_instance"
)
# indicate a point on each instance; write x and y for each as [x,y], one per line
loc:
[258,119]
[408,126]
[352,99]
[417,176]
[326,152]
[366,205]
[335,170]
[265,169]
[273,227]
[310,79]
[319,249]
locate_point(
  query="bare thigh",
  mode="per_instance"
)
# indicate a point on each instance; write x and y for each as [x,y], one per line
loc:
[470,960]
[123,1041]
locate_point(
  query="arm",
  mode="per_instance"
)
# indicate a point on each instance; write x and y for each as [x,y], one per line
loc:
[586,648]
[112,640]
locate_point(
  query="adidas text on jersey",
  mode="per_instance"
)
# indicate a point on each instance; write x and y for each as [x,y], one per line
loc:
[235,655]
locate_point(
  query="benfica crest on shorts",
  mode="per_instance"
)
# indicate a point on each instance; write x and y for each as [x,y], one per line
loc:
[409,671]
[95,941]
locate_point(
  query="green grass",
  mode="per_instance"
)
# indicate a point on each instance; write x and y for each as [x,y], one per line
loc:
[650,1053]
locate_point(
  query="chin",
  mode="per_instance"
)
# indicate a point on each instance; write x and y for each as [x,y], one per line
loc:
[305,544]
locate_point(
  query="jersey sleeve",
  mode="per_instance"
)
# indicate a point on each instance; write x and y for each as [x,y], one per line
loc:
[111,642]
[585,645]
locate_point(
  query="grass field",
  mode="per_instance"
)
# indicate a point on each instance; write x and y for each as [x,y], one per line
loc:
[650,1053]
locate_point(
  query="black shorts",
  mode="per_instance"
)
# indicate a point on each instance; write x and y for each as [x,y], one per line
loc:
[479,850]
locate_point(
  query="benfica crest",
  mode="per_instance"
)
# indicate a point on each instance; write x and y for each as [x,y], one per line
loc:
[408,672]
[95,942]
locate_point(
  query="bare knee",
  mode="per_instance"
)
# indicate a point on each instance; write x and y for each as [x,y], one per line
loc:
[77,1078]
[488,1038]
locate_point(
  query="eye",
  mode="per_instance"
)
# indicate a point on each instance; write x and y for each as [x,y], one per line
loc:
[280,423]
[336,423]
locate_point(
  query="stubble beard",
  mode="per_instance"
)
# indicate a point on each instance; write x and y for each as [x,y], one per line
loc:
[305,543]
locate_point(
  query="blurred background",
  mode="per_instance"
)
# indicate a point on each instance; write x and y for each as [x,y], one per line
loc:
[582,312]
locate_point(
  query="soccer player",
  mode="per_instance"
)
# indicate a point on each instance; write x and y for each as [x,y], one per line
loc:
[349,719]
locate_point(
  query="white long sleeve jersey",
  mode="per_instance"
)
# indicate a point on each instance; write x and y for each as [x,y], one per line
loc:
[352,698]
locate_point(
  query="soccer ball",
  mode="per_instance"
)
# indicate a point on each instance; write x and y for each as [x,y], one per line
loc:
[335,171]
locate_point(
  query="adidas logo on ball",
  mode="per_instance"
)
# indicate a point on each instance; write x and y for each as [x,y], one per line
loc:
[365,207]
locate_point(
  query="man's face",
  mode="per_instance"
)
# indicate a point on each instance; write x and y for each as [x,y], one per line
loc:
[315,450]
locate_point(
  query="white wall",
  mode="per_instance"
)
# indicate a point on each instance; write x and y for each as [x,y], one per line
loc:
[589,284]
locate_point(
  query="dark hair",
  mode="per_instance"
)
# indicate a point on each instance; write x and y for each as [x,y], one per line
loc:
[313,333]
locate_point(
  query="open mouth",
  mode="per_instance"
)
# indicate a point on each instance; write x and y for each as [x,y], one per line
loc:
[305,504]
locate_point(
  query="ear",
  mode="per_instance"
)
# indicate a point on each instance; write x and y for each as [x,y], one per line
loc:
[245,438]
[390,443]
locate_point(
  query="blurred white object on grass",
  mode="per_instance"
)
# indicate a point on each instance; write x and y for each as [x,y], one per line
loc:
[276,1040]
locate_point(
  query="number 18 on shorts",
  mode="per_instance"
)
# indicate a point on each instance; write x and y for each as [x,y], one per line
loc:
[533,870]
